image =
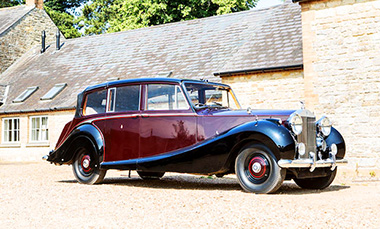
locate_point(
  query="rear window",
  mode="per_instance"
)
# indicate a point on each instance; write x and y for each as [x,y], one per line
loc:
[95,103]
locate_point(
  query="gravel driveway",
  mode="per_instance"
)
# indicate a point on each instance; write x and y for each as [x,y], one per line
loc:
[36,195]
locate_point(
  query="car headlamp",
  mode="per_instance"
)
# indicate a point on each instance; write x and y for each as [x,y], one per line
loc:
[324,126]
[295,122]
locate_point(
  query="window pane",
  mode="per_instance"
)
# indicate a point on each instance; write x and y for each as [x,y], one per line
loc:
[128,98]
[54,91]
[25,94]
[165,97]
[6,130]
[111,97]
[180,100]
[39,130]
[96,102]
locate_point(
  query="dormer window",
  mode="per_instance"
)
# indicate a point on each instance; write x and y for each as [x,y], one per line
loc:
[54,91]
[26,94]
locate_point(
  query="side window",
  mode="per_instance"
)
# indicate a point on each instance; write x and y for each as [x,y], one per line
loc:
[95,103]
[166,97]
[127,98]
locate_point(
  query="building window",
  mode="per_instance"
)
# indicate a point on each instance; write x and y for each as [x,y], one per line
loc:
[54,91]
[25,94]
[39,131]
[11,130]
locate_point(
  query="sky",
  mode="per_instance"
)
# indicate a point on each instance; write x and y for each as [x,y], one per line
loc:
[267,3]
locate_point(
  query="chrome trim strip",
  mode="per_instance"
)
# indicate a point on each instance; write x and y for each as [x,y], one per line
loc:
[308,163]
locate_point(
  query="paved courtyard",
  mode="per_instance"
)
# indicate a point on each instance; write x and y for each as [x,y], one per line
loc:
[40,195]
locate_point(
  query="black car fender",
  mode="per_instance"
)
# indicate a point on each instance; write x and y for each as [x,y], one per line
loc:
[272,134]
[82,134]
[336,138]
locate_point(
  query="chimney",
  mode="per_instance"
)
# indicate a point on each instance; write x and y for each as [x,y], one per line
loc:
[43,38]
[37,3]
[58,40]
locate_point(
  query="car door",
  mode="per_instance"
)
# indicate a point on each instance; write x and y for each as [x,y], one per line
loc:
[167,121]
[122,123]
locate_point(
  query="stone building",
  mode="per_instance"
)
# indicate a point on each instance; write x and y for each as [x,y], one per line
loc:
[194,49]
[324,52]
[20,30]
[340,76]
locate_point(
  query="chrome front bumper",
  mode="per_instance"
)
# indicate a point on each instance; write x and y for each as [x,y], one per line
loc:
[310,163]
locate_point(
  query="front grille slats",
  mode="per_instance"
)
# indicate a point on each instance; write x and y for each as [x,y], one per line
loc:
[308,135]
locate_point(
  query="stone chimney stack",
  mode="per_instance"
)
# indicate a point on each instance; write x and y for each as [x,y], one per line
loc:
[38,3]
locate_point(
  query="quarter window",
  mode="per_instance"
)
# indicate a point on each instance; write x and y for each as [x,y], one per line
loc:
[95,103]
[39,129]
[166,97]
[11,130]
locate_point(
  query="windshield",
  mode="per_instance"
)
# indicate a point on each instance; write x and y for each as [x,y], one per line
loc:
[206,95]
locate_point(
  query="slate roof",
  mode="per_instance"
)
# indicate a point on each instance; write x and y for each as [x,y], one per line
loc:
[11,15]
[263,38]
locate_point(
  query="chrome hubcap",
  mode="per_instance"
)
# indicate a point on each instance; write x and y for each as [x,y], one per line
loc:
[256,167]
[86,163]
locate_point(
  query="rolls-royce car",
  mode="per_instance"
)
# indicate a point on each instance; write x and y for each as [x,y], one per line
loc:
[164,125]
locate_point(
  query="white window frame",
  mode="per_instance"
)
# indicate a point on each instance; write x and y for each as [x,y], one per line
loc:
[2,130]
[40,132]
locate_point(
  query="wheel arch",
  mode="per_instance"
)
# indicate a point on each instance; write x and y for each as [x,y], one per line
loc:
[86,132]
[276,137]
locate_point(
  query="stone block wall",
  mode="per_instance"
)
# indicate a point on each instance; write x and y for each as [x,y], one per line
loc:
[26,151]
[341,51]
[25,34]
[272,90]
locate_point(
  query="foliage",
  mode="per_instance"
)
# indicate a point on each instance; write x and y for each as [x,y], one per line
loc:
[63,5]
[64,21]
[100,16]
[9,3]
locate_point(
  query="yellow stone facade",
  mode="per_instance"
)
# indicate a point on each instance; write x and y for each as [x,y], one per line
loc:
[271,90]
[24,150]
[341,51]
[341,76]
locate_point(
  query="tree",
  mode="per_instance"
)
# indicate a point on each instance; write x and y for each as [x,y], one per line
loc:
[61,12]
[9,3]
[65,22]
[106,16]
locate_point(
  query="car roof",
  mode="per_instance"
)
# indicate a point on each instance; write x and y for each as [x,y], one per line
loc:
[150,80]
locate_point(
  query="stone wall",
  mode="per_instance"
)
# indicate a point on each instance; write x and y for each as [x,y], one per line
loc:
[26,151]
[272,90]
[24,35]
[341,51]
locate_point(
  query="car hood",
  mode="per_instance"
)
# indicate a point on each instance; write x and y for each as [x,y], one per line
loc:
[260,114]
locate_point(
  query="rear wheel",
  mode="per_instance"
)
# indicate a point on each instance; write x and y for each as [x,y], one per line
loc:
[150,175]
[316,183]
[86,167]
[257,170]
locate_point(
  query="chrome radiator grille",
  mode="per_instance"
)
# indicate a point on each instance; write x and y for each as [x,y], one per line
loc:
[308,135]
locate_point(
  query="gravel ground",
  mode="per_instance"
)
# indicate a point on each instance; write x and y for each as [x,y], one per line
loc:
[40,195]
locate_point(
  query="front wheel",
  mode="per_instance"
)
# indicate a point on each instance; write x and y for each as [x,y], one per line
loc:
[316,183]
[86,167]
[257,170]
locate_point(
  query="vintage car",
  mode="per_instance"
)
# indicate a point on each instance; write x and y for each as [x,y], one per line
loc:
[163,125]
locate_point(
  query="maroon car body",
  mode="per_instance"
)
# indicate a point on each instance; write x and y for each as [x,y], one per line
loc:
[160,125]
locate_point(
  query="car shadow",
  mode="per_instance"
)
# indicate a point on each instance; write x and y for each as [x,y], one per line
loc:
[204,183]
